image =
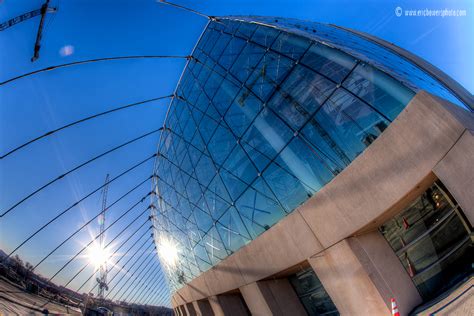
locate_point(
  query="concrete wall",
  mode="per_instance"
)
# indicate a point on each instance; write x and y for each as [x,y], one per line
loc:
[335,230]
[272,297]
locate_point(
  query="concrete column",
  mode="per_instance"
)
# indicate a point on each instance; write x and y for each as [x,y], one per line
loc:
[197,309]
[456,172]
[255,300]
[185,310]
[272,297]
[362,273]
[203,308]
[181,310]
[285,300]
[216,306]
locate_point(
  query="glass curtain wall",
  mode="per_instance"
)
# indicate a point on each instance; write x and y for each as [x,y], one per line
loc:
[312,294]
[433,241]
[263,119]
[377,55]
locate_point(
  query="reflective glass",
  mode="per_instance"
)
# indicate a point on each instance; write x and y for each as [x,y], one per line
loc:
[381,91]
[300,95]
[291,45]
[329,62]
[264,119]
[312,294]
[431,241]
[265,35]
[346,125]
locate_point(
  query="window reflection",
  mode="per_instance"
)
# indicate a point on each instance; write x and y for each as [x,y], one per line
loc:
[384,93]
[264,119]
[312,294]
[431,239]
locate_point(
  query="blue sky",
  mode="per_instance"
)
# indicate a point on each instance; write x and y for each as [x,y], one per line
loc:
[34,105]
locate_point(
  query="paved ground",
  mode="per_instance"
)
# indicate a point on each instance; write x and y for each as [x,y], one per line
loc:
[459,303]
[13,301]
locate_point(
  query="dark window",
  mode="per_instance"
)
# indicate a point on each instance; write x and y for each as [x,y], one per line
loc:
[431,239]
[312,294]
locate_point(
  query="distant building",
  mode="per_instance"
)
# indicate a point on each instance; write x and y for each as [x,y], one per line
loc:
[311,169]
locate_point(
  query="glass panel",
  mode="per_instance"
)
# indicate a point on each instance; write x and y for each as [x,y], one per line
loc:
[246,30]
[312,294]
[239,164]
[224,96]
[221,144]
[291,45]
[219,47]
[300,95]
[432,242]
[265,35]
[268,134]
[379,90]
[242,111]
[232,230]
[289,190]
[258,211]
[330,62]
[306,165]
[259,159]
[248,59]
[344,125]
[231,52]
[234,186]
[229,25]
[269,73]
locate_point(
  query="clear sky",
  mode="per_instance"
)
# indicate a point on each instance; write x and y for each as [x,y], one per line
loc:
[92,29]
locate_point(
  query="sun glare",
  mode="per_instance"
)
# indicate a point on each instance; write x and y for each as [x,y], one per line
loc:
[97,255]
[168,251]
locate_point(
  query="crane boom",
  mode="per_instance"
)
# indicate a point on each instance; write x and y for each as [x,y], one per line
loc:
[26,16]
[102,279]
[19,19]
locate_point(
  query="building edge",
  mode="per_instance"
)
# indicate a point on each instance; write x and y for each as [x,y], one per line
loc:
[339,223]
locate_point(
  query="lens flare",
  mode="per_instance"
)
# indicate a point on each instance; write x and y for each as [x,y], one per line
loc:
[168,251]
[97,255]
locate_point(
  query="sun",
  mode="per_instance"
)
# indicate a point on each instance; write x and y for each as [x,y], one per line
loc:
[97,255]
[168,251]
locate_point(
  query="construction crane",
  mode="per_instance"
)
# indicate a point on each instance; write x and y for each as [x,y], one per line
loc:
[26,16]
[102,279]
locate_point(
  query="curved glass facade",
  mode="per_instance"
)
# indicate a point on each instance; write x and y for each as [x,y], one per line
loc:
[263,119]
[411,75]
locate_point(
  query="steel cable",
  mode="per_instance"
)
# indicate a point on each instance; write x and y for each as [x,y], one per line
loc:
[137,280]
[90,221]
[87,264]
[125,274]
[44,186]
[81,121]
[116,263]
[88,61]
[155,280]
[75,204]
[93,240]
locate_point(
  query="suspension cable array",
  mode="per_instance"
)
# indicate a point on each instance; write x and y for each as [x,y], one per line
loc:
[76,203]
[88,61]
[140,278]
[210,17]
[82,120]
[76,168]
[88,222]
